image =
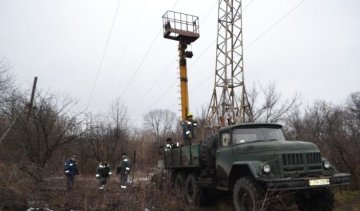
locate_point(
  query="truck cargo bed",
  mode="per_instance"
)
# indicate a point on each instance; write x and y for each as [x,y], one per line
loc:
[186,156]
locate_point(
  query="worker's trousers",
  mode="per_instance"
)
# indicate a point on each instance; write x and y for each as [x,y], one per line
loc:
[123,180]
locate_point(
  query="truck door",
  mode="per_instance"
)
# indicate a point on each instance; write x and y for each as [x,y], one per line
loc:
[223,159]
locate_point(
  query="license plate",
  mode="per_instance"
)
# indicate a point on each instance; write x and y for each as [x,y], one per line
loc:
[316,182]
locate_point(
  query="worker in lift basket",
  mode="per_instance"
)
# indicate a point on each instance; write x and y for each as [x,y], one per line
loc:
[103,172]
[124,170]
[188,129]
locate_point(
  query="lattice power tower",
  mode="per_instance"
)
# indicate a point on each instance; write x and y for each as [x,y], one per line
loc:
[229,104]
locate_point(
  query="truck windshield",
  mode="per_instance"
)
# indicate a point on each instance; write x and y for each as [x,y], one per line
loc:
[244,135]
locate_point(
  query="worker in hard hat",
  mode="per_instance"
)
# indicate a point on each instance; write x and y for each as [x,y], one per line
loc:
[188,129]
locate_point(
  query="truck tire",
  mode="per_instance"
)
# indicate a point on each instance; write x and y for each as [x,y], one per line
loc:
[207,155]
[192,190]
[248,196]
[315,199]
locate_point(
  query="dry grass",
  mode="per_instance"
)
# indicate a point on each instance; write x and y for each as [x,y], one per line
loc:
[18,192]
[347,200]
[14,186]
[86,196]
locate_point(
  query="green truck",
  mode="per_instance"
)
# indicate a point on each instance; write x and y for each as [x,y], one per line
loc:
[255,163]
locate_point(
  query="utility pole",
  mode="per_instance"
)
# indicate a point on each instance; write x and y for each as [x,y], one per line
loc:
[28,113]
[32,96]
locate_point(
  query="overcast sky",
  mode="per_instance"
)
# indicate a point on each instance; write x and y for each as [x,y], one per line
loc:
[310,47]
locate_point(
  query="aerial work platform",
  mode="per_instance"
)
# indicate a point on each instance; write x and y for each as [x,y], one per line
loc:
[181,27]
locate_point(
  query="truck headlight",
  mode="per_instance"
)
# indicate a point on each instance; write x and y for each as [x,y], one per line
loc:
[326,164]
[266,168]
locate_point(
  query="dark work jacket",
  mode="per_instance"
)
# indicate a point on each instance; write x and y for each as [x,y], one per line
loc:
[70,168]
[103,170]
[188,129]
[124,166]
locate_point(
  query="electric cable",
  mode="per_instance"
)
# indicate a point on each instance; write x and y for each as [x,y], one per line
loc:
[209,12]
[143,59]
[164,93]
[208,47]
[203,52]
[140,64]
[102,57]
[246,6]
[162,74]
[154,84]
[275,24]
[254,41]
[132,32]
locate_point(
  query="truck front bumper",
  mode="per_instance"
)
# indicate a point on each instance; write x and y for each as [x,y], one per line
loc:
[307,182]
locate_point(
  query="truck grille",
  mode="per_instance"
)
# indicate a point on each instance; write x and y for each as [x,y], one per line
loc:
[313,158]
[301,162]
[293,159]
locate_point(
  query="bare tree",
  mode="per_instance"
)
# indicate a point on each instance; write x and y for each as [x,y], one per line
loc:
[11,110]
[107,136]
[200,130]
[266,105]
[93,141]
[40,133]
[6,79]
[353,115]
[7,91]
[119,124]
[161,122]
[48,127]
[352,131]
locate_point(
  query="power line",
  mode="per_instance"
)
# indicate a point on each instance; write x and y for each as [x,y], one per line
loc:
[275,24]
[103,56]
[164,93]
[154,84]
[173,7]
[131,33]
[143,59]
[246,6]
[202,53]
[254,41]
[198,58]
[141,62]
[162,74]
[209,12]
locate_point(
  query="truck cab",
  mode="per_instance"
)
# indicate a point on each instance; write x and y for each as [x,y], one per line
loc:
[261,152]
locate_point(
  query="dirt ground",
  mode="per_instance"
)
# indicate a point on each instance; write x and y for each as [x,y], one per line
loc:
[141,196]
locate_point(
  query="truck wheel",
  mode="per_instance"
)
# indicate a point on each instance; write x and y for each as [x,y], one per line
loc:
[315,199]
[248,196]
[192,190]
